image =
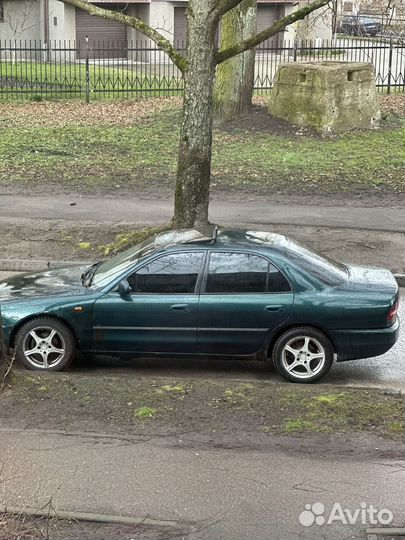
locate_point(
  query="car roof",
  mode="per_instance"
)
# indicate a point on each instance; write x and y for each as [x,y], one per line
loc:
[214,236]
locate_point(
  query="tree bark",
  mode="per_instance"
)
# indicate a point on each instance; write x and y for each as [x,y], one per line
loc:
[3,359]
[194,158]
[234,80]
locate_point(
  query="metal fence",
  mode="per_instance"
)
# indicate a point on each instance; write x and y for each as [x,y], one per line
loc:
[30,70]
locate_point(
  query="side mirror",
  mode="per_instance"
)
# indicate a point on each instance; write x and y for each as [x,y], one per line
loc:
[123,288]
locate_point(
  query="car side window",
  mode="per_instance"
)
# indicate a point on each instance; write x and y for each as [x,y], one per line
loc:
[277,282]
[243,273]
[176,273]
[236,273]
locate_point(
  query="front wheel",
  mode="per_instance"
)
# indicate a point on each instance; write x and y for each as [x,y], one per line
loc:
[45,344]
[303,355]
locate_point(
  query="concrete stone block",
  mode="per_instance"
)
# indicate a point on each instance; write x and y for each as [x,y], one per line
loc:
[330,97]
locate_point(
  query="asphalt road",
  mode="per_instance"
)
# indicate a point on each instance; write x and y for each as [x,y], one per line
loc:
[204,492]
[136,211]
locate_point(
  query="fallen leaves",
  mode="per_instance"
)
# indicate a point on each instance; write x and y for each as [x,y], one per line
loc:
[67,113]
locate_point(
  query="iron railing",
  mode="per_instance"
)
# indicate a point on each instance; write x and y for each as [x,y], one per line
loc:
[32,70]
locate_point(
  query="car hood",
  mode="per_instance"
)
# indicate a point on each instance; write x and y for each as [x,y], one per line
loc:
[43,284]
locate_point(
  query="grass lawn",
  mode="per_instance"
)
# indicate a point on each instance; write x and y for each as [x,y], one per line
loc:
[132,145]
[33,80]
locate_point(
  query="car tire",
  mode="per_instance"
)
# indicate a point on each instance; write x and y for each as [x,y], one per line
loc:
[303,355]
[45,344]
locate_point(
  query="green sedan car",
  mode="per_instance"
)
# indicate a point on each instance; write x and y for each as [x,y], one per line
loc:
[226,293]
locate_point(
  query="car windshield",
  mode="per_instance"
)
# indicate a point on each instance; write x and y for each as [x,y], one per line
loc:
[323,268]
[111,268]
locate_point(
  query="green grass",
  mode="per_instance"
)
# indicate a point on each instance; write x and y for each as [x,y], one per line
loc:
[144,413]
[143,156]
[36,80]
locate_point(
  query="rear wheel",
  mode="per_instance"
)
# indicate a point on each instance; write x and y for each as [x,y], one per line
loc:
[303,355]
[45,344]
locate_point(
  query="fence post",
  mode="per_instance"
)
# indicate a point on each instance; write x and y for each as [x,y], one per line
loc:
[389,68]
[295,48]
[87,71]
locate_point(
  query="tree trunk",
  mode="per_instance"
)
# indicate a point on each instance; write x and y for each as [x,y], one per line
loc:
[235,78]
[194,159]
[3,359]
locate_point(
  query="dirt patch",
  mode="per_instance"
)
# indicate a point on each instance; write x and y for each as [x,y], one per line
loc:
[167,407]
[24,527]
[259,120]
[77,113]
[60,240]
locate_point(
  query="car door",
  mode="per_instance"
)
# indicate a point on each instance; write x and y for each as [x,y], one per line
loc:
[159,314]
[243,297]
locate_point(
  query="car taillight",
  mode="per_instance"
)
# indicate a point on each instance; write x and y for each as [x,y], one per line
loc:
[391,316]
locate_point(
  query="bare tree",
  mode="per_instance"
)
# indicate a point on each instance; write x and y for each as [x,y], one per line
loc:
[20,20]
[198,68]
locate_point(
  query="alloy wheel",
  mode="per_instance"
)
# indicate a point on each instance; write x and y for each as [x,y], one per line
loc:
[44,347]
[303,357]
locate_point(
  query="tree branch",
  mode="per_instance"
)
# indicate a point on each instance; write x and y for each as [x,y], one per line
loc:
[223,6]
[177,58]
[268,32]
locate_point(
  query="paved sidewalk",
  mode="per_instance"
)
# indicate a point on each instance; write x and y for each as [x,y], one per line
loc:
[213,493]
[150,211]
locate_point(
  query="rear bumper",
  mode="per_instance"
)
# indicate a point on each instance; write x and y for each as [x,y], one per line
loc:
[357,344]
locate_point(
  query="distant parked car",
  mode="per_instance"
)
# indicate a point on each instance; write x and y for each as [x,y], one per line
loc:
[232,293]
[360,26]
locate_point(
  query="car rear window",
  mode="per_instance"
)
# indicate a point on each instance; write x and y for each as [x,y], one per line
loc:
[326,270]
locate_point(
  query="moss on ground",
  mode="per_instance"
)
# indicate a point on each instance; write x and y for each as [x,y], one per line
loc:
[96,401]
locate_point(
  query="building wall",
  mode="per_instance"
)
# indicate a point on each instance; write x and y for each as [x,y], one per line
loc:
[136,39]
[21,20]
[70,23]
[316,26]
[65,26]
[161,18]
[290,31]
[140,11]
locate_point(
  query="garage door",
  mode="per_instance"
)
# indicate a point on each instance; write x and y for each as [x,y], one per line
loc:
[107,39]
[266,16]
[180,26]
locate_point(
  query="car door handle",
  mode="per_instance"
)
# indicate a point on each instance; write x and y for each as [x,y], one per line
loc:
[274,308]
[180,307]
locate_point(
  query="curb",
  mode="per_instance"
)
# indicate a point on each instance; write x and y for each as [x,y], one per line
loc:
[36,265]
[400,279]
[86,516]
